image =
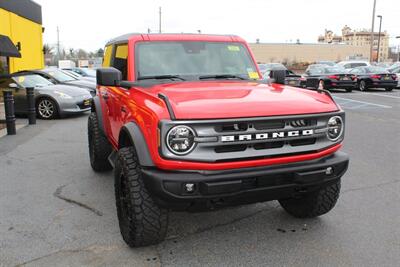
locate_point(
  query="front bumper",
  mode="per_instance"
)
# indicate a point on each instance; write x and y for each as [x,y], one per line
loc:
[76,105]
[213,189]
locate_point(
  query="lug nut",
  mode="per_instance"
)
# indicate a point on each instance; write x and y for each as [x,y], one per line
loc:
[329,171]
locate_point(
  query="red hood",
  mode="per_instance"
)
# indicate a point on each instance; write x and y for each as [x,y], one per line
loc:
[214,100]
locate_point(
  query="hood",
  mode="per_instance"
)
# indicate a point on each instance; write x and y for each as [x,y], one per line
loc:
[83,83]
[214,100]
[66,89]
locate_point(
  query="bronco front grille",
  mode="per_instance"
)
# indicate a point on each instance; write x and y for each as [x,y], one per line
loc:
[253,138]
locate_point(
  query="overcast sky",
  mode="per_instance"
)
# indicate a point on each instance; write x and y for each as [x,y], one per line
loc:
[88,24]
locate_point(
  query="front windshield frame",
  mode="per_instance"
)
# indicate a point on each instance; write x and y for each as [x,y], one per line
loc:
[243,47]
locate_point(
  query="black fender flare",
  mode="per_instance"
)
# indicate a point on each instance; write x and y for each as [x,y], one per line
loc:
[96,107]
[135,135]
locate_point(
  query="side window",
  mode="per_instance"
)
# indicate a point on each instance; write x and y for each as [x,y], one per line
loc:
[107,56]
[120,60]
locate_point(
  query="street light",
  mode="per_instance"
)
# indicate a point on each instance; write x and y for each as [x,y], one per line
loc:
[379,37]
[372,32]
[398,49]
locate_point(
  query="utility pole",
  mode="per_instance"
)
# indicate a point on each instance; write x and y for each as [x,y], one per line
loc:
[58,43]
[398,49]
[379,37]
[159,21]
[372,33]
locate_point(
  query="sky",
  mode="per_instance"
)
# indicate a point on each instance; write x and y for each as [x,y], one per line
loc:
[89,24]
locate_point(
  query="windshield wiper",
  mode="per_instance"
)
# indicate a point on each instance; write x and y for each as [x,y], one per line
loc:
[160,77]
[221,76]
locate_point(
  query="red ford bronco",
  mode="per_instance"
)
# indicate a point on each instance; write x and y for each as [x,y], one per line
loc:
[187,125]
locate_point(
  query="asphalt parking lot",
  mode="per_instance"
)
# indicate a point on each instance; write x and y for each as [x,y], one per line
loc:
[55,211]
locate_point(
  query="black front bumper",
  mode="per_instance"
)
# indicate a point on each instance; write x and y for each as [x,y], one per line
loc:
[213,189]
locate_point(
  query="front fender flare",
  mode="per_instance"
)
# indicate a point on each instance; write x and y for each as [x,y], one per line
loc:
[96,107]
[136,137]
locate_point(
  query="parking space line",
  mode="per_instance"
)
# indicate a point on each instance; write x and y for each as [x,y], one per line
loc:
[361,102]
[390,96]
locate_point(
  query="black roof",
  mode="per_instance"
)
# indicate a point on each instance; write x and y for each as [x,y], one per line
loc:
[24,8]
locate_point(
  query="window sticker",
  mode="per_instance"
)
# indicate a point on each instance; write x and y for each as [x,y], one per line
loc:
[233,48]
[253,75]
[21,79]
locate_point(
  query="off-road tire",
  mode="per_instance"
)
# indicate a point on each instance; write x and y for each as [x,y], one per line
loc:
[313,204]
[141,221]
[99,147]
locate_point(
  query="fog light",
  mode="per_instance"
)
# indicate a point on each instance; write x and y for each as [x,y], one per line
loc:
[189,188]
[329,171]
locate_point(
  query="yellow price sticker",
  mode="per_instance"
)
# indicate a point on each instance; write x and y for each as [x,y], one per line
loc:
[234,48]
[253,75]
[21,79]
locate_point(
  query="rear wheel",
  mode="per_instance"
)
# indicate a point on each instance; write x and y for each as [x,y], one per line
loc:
[46,109]
[389,89]
[99,147]
[141,221]
[349,90]
[362,85]
[314,203]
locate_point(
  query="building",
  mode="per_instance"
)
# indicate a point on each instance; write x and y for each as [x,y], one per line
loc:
[21,44]
[306,53]
[359,38]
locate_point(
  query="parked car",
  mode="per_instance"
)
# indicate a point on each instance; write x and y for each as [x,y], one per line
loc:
[397,72]
[290,77]
[374,77]
[51,100]
[85,72]
[78,76]
[187,125]
[56,76]
[327,77]
[326,62]
[394,66]
[351,64]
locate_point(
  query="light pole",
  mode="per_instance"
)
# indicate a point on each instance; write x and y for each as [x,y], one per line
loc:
[398,49]
[372,33]
[379,37]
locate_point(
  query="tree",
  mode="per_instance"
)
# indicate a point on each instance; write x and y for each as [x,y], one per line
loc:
[48,49]
[82,54]
[100,52]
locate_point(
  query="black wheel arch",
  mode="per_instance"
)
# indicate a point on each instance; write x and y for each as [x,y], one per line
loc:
[96,107]
[131,135]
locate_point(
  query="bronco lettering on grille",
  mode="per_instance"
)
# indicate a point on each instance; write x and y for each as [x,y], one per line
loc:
[263,136]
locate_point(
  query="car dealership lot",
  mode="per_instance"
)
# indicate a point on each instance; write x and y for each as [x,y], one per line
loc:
[55,211]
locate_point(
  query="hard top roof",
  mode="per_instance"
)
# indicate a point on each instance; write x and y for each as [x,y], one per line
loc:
[174,37]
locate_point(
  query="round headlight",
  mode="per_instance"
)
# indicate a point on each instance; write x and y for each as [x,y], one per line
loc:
[180,140]
[335,128]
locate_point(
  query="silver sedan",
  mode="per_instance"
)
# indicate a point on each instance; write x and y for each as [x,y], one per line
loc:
[52,101]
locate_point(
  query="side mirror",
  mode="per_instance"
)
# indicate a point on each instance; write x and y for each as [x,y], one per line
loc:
[279,76]
[13,86]
[108,76]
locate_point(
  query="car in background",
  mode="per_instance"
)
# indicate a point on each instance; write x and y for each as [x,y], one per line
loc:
[374,77]
[326,62]
[394,66]
[78,76]
[397,72]
[57,76]
[85,72]
[290,77]
[351,64]
[51,100]
[327,77]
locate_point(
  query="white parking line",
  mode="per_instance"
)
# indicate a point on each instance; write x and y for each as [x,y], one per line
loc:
[361,102]
[390,96]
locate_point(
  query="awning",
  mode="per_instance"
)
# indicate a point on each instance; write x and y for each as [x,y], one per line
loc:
[7,48]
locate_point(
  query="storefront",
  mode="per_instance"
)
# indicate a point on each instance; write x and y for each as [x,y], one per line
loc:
[21,45]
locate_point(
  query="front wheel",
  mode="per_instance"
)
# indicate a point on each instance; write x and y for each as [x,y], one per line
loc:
[46,109]
[314,203]
[141,221]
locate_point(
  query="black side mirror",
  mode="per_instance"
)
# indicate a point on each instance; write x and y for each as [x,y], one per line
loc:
[279,76]
[108,76]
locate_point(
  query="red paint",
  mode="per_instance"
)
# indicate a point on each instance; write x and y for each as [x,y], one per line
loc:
[205,100]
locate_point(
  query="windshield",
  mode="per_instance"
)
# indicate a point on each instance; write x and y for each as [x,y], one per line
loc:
[191,60]
[88,72]
[60,76]
[33,80]
[336,70]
